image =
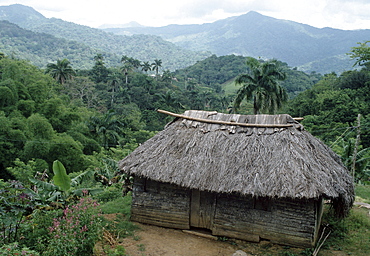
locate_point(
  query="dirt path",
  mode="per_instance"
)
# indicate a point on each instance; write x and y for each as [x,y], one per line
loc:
[158,241]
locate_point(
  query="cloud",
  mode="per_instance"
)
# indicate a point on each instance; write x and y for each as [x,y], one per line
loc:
[348,14]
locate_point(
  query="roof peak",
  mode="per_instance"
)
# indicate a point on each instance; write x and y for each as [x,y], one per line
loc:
[214,117]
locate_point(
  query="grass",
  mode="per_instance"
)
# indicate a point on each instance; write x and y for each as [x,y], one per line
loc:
[363,193]
[118,205]
[119,224]
[352,234]
[229,87]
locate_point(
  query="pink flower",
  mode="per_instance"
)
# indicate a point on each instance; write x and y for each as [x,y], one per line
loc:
[84,228]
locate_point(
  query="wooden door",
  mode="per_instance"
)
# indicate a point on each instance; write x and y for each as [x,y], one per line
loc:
[202,209]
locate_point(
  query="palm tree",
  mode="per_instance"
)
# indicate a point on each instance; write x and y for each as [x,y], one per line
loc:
[128,65]
[156,65]
[107,127]
[135,63]
[167,77]
[98,57]
[261,86]
[146,67]
[126,69]
[170,100]
[61,71]
[114,82]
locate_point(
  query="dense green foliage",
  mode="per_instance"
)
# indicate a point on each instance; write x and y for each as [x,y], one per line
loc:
[215,72]
[330,109]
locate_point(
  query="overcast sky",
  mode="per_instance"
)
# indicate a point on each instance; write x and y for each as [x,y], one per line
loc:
[342,14]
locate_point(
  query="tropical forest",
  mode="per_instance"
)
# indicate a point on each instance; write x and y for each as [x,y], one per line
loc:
[64,129]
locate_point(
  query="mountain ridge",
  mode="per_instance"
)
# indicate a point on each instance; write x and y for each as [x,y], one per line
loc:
[256,35]
[308,48]
[142,47]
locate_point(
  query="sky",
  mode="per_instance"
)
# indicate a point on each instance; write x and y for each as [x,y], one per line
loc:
[341,14]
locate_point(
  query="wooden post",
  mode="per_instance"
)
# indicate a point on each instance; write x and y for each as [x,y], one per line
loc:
[354,157]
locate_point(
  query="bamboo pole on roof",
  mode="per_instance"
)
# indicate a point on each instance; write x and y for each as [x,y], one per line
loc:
[224,122]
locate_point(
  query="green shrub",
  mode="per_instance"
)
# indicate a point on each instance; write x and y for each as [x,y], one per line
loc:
[14,249]
[110,193]
[35,232]
[15,203]
[119,250]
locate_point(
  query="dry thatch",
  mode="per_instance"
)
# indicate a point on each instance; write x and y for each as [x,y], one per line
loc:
[276,162]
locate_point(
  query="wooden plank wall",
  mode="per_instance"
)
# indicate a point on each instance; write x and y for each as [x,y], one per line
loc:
[160,204]
[280,221]
[290,222]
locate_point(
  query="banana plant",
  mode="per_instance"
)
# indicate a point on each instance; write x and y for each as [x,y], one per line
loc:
[62,187]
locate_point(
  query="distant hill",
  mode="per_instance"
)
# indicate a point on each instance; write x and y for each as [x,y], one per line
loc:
[127,25]
[41,49]
[252,34]
[142,47]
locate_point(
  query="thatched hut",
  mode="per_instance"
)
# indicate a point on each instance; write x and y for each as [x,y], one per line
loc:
[249,177]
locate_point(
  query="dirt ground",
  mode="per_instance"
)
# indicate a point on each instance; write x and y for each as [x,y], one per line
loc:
[158,241]
[152,240]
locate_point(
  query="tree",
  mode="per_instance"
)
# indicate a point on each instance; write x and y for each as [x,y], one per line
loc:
[82,89]
[114,82]
[361,54]
[156,65]
[99,72]
[126,69]
[146,67]
[169,101]
[60,71]
[167,77]
[129,64]
[345,149]
[260,84]
[107,128]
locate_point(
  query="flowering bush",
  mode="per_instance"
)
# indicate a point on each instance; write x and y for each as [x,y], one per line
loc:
[14,249]
[77,231]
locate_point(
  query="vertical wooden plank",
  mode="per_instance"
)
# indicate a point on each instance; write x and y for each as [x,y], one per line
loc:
[202,209]
[194,208]
[319,211]
[207,209]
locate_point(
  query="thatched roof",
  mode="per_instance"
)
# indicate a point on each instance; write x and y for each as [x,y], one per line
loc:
[279,162]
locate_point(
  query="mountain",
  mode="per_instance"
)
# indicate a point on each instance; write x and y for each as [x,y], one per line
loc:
[131,24]
[113,47]
[41,48]
[178,46]
[256,35]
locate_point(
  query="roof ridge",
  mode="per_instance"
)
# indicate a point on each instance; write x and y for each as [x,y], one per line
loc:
[224,122]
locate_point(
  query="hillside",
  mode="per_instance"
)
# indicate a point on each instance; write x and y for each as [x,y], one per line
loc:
[252,34]
[142,47]
[41,48]
[219,73]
